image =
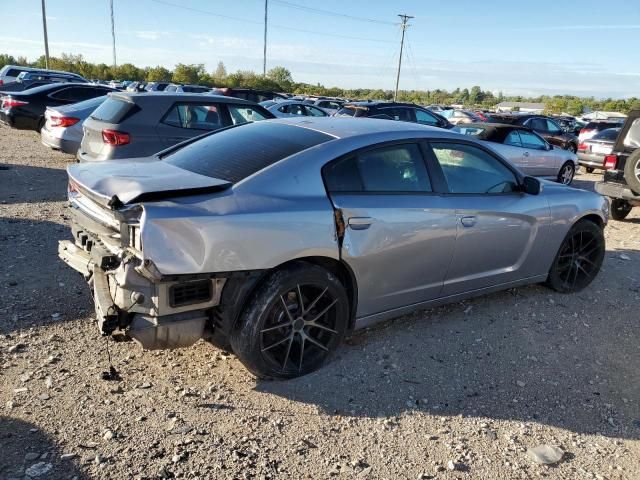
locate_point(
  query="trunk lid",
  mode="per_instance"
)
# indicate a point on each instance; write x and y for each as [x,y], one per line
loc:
[116,184]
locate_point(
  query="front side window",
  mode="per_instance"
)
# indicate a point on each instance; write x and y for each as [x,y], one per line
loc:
[392,169]
[244,113]
[538,124]
[469,169]
[401,114]
[293,109]
[194,116]
[314,112]
[553,127]
[426,118]
[531,140]
[513,139]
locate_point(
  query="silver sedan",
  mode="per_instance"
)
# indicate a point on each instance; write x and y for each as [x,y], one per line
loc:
[281,237]
[526,150]
[293,108]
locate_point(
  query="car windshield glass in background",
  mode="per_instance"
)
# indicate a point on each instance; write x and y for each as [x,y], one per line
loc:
[92,102]
[112,110]
[468,130]
[610,134]
[236,153]
[352,111]
[243,114]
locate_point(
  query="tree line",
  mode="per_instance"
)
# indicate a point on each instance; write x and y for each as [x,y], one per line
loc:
[280,79]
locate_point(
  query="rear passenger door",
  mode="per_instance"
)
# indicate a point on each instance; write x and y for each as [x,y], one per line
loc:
[399,235]
[541,161]
[185,120]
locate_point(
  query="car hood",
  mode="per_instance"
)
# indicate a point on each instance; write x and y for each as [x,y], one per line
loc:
[118,183]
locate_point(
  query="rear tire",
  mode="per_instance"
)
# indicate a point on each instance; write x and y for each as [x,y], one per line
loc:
[632,171]
[589,169]
[566,173]
[620,208]
[579,258]
[293,322]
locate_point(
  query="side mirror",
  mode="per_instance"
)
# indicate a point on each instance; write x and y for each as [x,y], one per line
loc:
[531,186]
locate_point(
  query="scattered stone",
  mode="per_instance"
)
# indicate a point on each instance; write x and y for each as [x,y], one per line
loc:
[20,390]
[44,396]
[18,347]
[451,465]
[520,383]
[109,435]
[31,456]
[55,316]
[67,456]
[38,469]
[545,454]
[624,256]
[145,385]
[48,382]
[98,459]
[176,458]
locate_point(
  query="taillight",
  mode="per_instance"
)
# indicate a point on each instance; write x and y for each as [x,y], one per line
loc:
[115,138]
[582,146]
[584,131]
[8,102]
[610,162]
[56,121]
[1,82]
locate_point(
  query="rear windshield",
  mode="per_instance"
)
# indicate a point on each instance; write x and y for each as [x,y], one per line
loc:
[352,111]
[189,89]
[236,153]
[608,134]
[112,110]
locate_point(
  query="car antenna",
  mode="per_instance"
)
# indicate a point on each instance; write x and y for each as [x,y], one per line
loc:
[112,373]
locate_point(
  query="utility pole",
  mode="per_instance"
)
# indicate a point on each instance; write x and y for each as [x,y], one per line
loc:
[264,58]
[113,34]
[403,25]
[46,38]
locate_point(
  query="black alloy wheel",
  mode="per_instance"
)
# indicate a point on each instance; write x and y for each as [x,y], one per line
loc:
[295,320]
[579,259]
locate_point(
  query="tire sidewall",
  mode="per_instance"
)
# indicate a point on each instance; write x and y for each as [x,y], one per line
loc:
[629,171]
[554,280]
[245,337]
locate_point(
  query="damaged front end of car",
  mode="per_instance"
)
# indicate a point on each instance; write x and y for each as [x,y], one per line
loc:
[133,300]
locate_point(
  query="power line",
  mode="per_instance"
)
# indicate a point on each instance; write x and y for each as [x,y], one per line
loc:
[405,18]
[320,11]
[282,27]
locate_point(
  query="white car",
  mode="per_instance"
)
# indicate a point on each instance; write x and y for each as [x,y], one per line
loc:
[526,150]
[293,108]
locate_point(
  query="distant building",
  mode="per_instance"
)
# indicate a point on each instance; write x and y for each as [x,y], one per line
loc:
[600,115]
[520,107]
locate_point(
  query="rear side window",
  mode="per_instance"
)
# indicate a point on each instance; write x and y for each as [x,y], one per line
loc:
[391,169]
[112,110]
[194,116]
[234,154]
[513,139]
[352,111]
[13,72]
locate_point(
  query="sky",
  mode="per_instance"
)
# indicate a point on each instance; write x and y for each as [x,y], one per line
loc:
[534,47]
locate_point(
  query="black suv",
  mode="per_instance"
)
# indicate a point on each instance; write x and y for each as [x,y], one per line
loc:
[621,181]
[544,126]
[404,112]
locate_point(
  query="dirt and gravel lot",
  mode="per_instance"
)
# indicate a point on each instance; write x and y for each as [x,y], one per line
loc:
[455,392]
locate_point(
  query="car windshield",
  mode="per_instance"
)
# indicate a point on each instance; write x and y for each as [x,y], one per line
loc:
[234,154]
[352,111]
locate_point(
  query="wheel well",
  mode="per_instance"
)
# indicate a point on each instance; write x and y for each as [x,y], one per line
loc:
[239,289]
[593,218]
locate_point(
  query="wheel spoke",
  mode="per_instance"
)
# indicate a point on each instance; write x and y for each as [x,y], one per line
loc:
[585,259]
[302,309]
[286,309]
[584,254]
[303,338]
[321,327]
[316,343]
[279,342]
[313,304]
[286,357]
[575,276]
[275,327]
[325,310]
[588,274]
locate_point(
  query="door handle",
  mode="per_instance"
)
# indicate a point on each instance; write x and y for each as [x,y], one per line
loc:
[526,154]
[360,223]
[468,221]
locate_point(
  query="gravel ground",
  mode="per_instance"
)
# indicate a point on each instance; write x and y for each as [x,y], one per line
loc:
[456,392]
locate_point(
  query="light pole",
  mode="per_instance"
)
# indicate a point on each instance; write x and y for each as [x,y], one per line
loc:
[113,34]
[46,38]
[264,58]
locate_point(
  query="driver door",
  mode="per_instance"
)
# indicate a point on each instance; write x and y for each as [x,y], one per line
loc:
[500,230]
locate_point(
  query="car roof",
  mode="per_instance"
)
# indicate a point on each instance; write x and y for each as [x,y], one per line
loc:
[495,132]
[381,103]
[345,127]
[58,86]
[172,97]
